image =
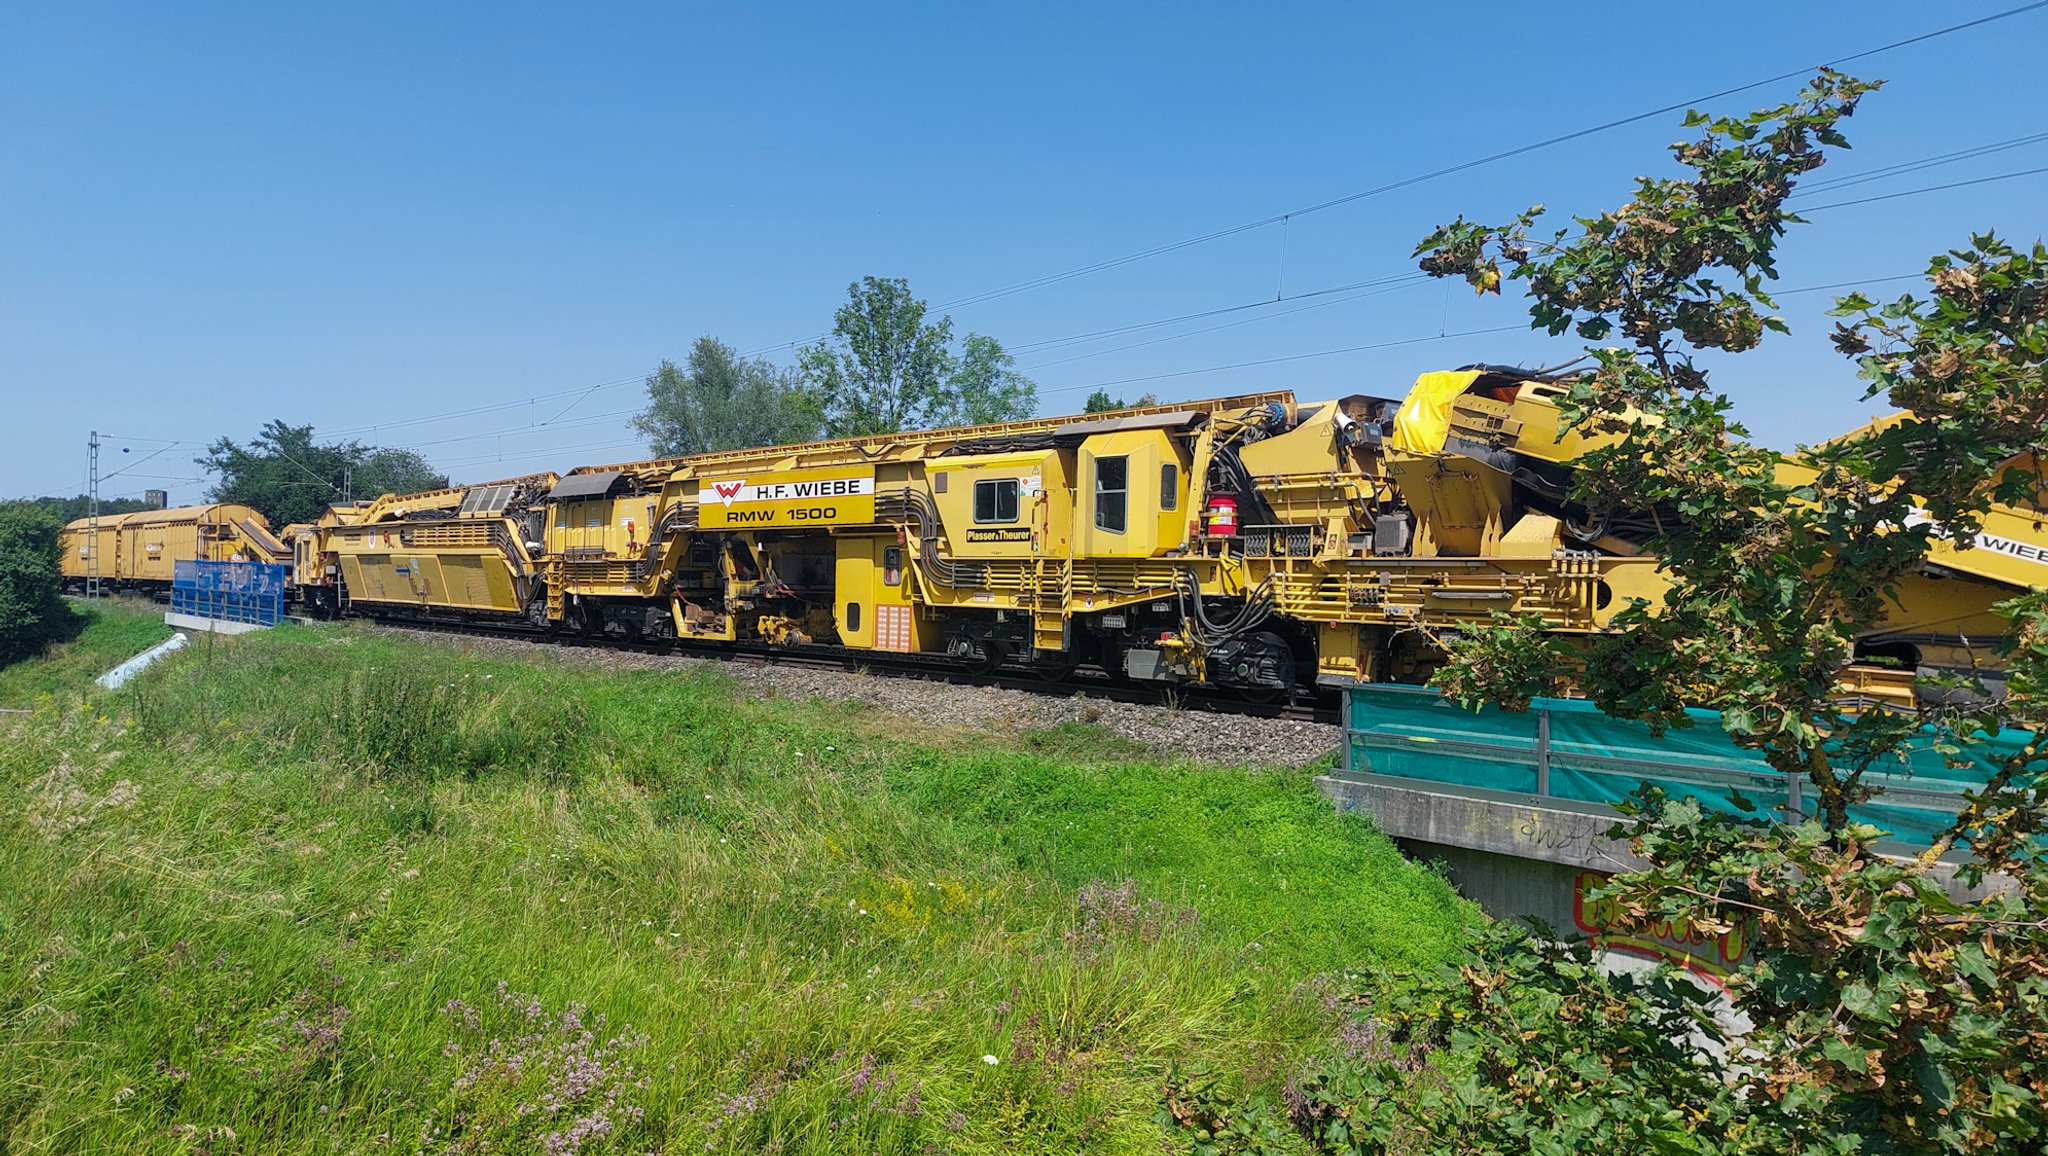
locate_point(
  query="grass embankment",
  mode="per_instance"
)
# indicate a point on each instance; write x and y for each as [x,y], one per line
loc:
[110,631]
[326,890]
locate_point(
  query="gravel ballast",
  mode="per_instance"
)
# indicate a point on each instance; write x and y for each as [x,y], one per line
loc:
[1205,736]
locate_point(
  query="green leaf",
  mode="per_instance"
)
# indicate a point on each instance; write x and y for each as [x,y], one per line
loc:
[1847,1055]
[1864,1003]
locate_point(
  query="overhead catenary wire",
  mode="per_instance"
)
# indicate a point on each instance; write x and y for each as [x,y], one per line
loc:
[1448,170]
[1400,283]
[1265,303]
[1464,166]
[1037,282]
[1927,189]
[492,407]
[1287,358]
[1903,167]
[1403,280]
[1411,341]
[545,451]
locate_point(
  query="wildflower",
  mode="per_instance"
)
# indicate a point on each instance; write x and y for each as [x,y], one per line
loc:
[991,1061]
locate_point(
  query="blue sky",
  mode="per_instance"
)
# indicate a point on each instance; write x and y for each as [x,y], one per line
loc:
[357,215]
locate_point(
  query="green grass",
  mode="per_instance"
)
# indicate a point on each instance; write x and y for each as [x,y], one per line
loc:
[264,900]
[114,630]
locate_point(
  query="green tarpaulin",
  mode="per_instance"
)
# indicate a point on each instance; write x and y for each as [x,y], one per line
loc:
[1413,733]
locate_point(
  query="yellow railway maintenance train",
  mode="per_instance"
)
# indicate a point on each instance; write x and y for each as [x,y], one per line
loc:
[1254,543]
[136,552]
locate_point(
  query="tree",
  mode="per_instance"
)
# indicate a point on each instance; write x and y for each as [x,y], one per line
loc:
[389,471]
[1885,1014]
[72,509]
[885,369]
[724,402]
[286,477]
[1101,402]
[1778,571]
[32,613]
[986,387]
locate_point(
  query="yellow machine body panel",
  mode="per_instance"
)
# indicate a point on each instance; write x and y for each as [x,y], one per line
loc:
[1014,506]
[873,607]
[1130,493]
[462,549]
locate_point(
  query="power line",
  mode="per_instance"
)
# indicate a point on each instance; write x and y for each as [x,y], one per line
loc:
[1409,341]
[481,459]
[1403,280]
[1116,331]
[1401,283]
[495,407]
[1449,170]
[1847,284]
[588,420]
[1158,250]
[1904,167]
[151,454]
[1928,189]
[1290,357]
[501,456]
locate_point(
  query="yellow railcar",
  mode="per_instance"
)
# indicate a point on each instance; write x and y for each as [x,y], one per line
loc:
[464,551]
[139,551]
[1253,542]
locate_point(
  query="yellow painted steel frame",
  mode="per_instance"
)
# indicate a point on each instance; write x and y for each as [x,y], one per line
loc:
[434,551]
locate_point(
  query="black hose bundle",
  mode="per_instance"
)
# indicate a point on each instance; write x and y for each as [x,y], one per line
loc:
[916,507]
[1228,475]
[1258,606]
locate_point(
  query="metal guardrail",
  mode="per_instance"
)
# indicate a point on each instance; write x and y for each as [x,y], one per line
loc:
[245,592]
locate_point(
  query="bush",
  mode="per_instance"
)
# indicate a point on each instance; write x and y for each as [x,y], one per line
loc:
[32,614]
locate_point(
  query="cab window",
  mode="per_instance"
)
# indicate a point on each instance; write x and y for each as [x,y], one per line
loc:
[1169,486]
[1112,488]
[995,501]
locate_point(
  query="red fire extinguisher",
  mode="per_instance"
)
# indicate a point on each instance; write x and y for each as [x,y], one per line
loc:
[1222,514]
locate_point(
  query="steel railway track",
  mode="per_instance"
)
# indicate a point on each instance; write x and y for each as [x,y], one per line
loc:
[1085,681]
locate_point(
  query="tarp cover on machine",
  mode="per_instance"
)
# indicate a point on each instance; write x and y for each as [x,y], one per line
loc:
[585,485]
[1594,758]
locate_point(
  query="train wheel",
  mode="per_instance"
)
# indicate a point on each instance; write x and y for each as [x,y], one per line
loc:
[1057,668]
